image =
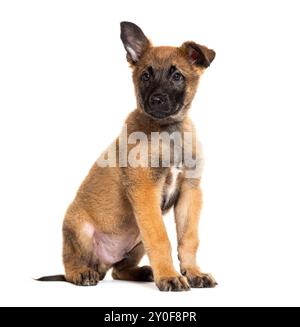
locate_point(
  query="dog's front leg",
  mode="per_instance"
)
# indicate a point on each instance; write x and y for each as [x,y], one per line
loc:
[145,197]
[187,212]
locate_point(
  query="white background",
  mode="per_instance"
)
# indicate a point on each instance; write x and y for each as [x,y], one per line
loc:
[65,90]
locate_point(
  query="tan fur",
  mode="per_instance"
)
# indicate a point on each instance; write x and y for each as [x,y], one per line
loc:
[116,200]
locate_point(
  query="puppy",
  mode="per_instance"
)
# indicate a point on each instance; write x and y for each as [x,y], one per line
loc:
[117,214]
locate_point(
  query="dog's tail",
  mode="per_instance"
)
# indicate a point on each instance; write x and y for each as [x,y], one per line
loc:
[53,278]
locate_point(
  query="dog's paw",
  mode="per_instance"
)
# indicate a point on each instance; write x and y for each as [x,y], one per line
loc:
[199,280]
[145,274]
[173,284]
[137,274]
[84,277]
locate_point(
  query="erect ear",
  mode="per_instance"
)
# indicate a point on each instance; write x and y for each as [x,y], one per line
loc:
[198,54]
[134,41]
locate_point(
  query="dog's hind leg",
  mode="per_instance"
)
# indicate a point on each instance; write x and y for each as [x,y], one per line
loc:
[81,267]
[128,269]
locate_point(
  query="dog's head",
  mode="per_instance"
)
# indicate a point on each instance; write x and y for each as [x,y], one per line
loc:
[165,78]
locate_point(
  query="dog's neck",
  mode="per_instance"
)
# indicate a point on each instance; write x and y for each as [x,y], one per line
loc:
[145,123]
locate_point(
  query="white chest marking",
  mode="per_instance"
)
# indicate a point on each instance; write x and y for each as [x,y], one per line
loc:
[171,188]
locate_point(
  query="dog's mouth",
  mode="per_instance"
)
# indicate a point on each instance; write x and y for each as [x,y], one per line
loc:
[163,112]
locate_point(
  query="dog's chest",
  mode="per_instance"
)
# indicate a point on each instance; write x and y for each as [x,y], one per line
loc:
[170,190]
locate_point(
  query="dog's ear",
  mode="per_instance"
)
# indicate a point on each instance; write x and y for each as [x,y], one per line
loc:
[198,54]
[134,41]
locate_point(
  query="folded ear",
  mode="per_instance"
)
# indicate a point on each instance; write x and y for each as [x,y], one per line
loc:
[134,41]
[198,54]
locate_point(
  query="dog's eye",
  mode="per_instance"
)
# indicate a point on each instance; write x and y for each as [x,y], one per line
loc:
[145,77]
[177,77]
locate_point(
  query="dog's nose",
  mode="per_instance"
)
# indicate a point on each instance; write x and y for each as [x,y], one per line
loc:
[158,99]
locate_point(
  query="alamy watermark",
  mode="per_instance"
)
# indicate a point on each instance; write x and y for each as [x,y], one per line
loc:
[159,149]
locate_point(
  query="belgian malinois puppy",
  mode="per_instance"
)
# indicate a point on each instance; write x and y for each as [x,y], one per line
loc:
[117,215]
